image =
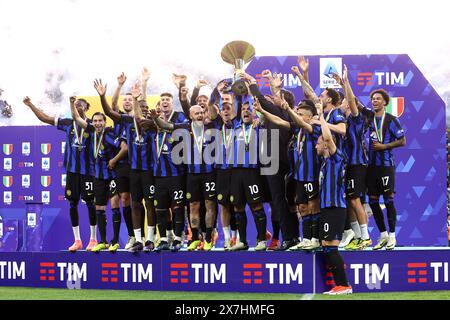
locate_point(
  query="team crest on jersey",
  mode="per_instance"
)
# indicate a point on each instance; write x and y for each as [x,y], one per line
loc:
[86,135]
[170,140]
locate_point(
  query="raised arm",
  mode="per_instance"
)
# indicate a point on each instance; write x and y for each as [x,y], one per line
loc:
[101,90]
[271,117]
[304,66]
[349,96]
[213,111]
[307,89]
[75,115]
[299,120]
[39,113]
[145,75]
[200,83]
[184,100]
[115,99]
[326,132]
[163,124]
[136,93]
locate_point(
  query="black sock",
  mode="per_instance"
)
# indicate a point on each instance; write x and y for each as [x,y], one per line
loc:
[261,223]
[233,224]
[74,214]
[91,209]
[117,219]
[202,216]
[208,234]
[307,227]
[142,209]
[128,222]
[315,226]
[276,229]
[101,222]
[334,260]
[178,215]
[161,222]
[348,225]
[241,222]
[194,234]
[391,213]
[377,214]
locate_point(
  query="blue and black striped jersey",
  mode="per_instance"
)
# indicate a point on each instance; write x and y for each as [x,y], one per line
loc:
[246,145]
[104,146]
[335,116]
[118,131]
[139,144]
[163,143]
[384,129]
[355,146]
[332,181]
[78,155]
[304,164]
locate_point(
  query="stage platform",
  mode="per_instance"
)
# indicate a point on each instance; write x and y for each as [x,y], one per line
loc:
[403,269]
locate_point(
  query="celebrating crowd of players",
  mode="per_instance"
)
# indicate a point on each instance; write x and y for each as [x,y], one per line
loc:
[331,152]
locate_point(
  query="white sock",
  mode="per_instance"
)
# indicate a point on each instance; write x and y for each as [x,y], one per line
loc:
[137,235]
[356,229]
[226,234]
[93,233]
[151,233]
[177,238]
[233,233]
[170,234]
[384,234]
[392,234]
[163,239]
[76,232]
[364,232]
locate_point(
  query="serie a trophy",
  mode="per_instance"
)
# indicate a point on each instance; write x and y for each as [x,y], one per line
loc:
[238,53]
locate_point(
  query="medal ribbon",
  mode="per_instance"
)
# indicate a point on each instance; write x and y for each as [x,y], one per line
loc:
[198,143]
[379,130]
[160,143]
[247,133]
[226,137]
[78,137]
[97,147]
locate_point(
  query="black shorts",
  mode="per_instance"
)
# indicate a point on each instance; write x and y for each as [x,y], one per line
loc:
[355,181]
[104,190]
[246,187]
[223,182]
[169,192]
[79,185]
[200,186]
[332,223]
[306,191]
[290,187]
[142,185]
[380,180]
[123,177]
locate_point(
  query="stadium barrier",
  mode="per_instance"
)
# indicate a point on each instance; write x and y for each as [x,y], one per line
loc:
[404,269]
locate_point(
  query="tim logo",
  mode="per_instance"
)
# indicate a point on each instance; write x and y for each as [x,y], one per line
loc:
[328,66]
[417,272]
[204,273]
[179,273]
[47,271]
[7,164]
[110,272]
[380,78]
[46,197]
[46,164]
[290,81]
[7,197]
[278,273]
[252,273]
[26,148]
